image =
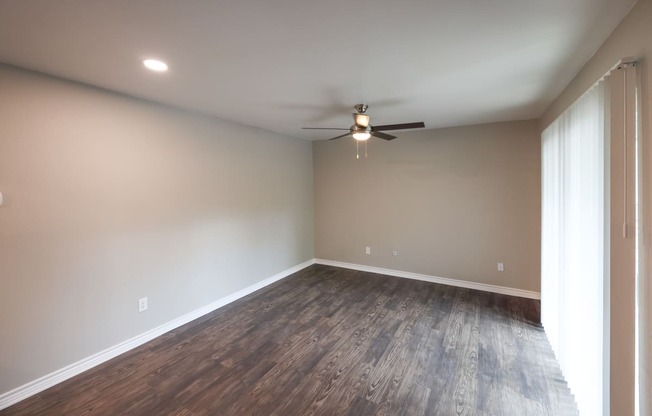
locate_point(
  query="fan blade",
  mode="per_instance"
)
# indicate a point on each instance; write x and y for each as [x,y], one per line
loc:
[382,135]
[339,137]
[322,128]
[416,125]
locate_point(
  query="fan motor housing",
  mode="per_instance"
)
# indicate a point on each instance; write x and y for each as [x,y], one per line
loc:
[360,129]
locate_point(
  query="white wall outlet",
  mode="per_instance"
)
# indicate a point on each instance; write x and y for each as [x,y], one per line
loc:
[142,304]
[501,267]
[367,250]
[394,253]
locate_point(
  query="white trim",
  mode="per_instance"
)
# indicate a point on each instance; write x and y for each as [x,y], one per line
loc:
[23,392]
[434,279]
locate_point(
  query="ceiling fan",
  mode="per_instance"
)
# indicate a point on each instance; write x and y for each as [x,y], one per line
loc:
[361,130]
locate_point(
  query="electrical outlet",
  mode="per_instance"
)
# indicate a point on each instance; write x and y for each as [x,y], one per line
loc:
[394,253]
[501,267]
[367,250]
[142,304]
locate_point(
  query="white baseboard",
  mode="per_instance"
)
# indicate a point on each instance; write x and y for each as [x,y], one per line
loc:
[434,279]
[23,392]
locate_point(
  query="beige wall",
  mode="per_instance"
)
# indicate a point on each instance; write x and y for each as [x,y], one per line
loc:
[109,199]
[632,38]
[453,202]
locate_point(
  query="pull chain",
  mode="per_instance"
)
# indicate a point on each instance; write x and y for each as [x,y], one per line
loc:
[357,149]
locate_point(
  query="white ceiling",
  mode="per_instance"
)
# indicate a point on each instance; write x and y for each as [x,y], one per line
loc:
[284,64]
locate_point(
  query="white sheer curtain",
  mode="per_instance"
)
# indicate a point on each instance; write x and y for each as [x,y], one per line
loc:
[574,234]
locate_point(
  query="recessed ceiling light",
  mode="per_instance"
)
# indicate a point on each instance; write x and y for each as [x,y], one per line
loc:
[155,65]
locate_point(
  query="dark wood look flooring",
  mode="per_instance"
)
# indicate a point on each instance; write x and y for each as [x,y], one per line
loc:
[330,341]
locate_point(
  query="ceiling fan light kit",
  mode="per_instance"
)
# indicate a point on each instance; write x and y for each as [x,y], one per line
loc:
[359,133]
[361,137]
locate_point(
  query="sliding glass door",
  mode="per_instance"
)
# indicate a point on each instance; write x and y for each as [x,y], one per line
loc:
[590,231]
